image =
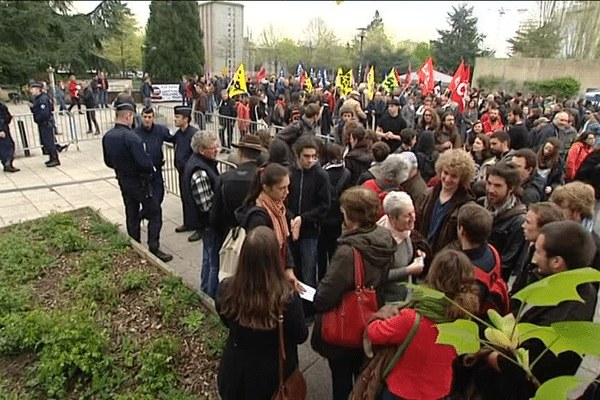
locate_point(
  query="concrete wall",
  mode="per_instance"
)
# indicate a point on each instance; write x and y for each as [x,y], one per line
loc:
[538,69]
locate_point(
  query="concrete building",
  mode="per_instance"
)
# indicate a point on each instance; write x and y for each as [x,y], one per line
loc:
[223,27]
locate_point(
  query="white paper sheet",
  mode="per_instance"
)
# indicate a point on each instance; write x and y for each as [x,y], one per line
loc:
[309,292]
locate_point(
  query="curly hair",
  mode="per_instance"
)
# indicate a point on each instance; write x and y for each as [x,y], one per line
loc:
[459,161]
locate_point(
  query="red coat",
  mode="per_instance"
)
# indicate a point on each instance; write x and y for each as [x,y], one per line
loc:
[489,128]
[73,89]
[424,371]
[578,152]
[243,114]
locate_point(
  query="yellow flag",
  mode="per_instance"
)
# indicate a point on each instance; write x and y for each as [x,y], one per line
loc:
[371,83]
[308,82]
[338,78]
[390,83]
[346,83]
[238,85]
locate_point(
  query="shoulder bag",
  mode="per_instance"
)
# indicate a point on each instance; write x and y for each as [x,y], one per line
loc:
[294,387]
[345,324]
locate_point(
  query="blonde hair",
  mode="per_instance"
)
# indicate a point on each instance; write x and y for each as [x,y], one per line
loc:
[576,196]
[459,161]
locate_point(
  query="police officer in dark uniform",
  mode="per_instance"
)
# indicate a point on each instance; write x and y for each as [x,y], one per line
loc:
[125,152]
[153,135]
[42,115]
[7,145]
[182,139]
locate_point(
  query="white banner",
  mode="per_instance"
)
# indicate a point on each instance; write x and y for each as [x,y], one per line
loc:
[166,93]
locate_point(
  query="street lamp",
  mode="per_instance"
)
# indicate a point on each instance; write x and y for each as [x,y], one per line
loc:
[50,72]
[362,37]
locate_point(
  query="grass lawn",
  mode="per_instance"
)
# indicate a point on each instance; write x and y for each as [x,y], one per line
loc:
[82,316]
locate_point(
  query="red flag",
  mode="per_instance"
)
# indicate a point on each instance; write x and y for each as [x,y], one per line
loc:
[303,79]
[262,74]
[426,76]
[408,77]
[458,76]
[461,93]
[397,74]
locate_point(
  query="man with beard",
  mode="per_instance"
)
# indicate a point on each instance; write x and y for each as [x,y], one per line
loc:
[447,136]
[508,212]
[493,123]
[519,136]
[500,146]
[532,184]
[560,122]
[391,124]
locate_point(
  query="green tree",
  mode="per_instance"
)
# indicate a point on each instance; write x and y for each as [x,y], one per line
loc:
[124,49]
[37,34]
[173,45]
[461,42]
[542,42]
[421,52]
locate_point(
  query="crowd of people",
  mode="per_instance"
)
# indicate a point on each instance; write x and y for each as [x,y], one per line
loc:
[418,190]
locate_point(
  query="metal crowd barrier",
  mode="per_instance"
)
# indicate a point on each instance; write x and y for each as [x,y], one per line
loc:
[170,175]
[26,134]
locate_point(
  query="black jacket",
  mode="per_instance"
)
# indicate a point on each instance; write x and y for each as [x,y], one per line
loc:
[124,152]
[231,189]
[293,131]
[533,189]
[194,217]
[507,237]
[183,150]
[358,160]
[589,171]
[339,179]
[310,198]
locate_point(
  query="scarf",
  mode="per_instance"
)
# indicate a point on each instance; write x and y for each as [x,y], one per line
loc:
[508,204]
[276,211]
[399,237]
[282,104]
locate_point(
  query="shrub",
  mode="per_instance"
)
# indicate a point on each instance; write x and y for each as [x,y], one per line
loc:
[193,321]
[560,87]
[215,336]
[14,299]
[155,371]
[68,240]
[135,280]
[24,332]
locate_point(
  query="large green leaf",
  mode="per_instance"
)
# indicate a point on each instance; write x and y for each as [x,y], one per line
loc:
[546,334]
[555,289]
[506,324]
[461,334]
[582,337]
[425,292]
[557,388]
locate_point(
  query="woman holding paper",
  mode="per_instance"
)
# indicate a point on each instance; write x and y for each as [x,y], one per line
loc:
[264,206]
[250,303]
[360,208]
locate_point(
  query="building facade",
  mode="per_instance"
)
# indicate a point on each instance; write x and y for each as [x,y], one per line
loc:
[223,26]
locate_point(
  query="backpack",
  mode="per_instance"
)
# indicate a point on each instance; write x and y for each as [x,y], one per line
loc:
[496,294]
[229,255]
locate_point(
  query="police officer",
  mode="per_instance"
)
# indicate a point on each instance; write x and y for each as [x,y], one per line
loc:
[42,115]
[7,145]
[153,135]
[125,152]
[183,151]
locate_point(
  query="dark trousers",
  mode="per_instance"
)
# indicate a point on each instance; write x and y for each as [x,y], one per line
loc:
[7,149]
[326,247]
[209,275]
[344,371]
[226,127]
[48,139]
[139,201]
[75,100]
[184,206]
[91,117]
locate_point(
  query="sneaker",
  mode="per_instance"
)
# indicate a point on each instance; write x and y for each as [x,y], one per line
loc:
[182,228]
[53,163]
[164,257]
[194,237]
[61,148]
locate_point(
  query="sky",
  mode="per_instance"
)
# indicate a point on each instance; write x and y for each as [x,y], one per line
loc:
[404,20]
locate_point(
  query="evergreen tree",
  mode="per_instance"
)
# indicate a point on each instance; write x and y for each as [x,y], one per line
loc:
[461,42]
[542,42]
[173,45]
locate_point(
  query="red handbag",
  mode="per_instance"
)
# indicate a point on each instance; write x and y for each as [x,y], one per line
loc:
[345,324]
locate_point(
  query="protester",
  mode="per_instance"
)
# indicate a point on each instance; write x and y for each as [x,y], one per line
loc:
[390,126]
[447,136]
[346,114]
[424,371]
[473,132]
[380,152]
[532,184]
[361,209]
[426,155]
[578,152]
[438,215]
[519,135]
[250,304]
[90,105]
[399,219]
[360,156]
[7,144]
[550,165]
[414,185]
[429,122]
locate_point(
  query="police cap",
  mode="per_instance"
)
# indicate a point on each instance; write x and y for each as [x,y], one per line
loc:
[121,105]
[182,110]
[35,84]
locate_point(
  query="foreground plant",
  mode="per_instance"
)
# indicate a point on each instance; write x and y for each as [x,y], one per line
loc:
[506,335]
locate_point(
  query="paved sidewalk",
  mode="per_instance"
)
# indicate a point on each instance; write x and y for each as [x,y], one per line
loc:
[83,180]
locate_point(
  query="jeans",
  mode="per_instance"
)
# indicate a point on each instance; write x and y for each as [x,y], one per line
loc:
[209,275]
[344,372]
[305,257]
[103,98]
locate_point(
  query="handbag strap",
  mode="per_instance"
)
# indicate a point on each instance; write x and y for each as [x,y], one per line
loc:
[359,270]
[281,351]
[403,346]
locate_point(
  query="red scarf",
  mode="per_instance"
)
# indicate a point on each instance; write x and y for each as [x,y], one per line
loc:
[276,210]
